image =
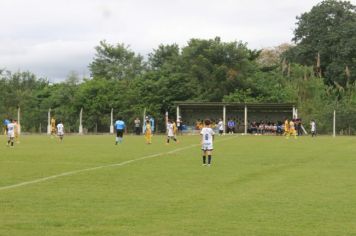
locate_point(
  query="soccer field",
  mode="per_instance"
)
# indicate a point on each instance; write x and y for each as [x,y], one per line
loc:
[257,185]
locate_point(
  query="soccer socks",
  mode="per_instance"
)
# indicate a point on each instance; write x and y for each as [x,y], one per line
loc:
[118,140]
[10,143]
[169,138]
[209,159]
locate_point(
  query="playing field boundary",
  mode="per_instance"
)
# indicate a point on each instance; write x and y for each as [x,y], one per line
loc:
[74,172]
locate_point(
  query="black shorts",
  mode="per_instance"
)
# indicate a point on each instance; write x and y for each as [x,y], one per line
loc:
[119,133]
[221,131]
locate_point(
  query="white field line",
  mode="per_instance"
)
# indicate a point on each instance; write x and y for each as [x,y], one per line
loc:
[35,181]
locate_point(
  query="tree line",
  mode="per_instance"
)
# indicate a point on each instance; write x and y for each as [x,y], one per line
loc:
[317,72]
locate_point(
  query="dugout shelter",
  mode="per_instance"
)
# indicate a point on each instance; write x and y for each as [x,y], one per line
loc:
[242,113]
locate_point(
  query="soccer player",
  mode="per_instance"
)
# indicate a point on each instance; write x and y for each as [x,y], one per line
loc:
[60,130]
[148,132]
[313,128]
[286,127]
[175,129]
[11,133]
[53,127]
[120,128]
[5,123]
[201,125]
[221,127]
[170,131]
[207,137]
[292,130]
[144,124]
[17,134]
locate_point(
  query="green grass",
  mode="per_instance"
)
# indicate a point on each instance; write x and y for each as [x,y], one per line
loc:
[256,186]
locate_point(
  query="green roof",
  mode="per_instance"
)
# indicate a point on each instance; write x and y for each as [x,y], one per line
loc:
[235,105]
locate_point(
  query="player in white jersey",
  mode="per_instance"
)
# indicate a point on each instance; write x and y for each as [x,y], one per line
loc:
[170,131]
[313,128]
[207,138]
[11,133]
[60,130]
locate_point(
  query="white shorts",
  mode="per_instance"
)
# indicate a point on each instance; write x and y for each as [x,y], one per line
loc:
[207,147]
[11,135]
[60,134]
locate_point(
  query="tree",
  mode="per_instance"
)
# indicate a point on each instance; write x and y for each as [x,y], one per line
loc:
[19,90]
[73,78]
[216,68]
[116,62]
[271,57]
[328,30]
[165,54]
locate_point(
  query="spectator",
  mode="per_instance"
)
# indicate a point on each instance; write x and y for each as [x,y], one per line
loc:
[299,127]
[221,127]
[231,126]
[137,126]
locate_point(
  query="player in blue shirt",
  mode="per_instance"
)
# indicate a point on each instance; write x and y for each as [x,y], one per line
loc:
[5,123]
[120,128]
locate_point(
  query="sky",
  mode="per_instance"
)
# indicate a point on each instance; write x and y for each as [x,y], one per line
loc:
[51,38]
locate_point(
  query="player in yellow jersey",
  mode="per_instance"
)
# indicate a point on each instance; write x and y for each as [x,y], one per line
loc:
[53,127]
[201,125]
[148,132]
[286,127]
[292,130]
[175,128]
[17,133]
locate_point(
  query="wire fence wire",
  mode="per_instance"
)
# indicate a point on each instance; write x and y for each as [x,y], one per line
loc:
[345,122]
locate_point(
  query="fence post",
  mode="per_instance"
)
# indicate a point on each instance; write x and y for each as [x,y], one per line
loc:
[334,124]
[80,121]
[224,119]
[245,119]
[18,120]
[112,121]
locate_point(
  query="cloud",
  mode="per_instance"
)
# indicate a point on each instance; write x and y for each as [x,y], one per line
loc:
[53,60]
[53,37]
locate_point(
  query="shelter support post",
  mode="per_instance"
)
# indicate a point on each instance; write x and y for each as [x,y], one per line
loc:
[245,119]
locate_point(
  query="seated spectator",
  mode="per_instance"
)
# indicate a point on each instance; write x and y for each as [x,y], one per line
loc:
[280,128]
[253,127]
